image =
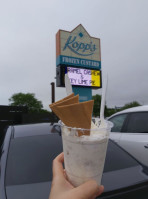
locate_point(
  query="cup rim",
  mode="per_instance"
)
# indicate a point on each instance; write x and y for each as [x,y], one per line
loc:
[83,129]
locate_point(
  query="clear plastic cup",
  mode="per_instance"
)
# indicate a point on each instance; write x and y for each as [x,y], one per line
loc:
[84,156]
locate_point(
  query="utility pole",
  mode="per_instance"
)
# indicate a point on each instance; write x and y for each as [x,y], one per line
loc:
[54,117]
[52,92]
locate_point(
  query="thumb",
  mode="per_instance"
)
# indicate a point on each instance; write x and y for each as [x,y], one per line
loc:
[88,190]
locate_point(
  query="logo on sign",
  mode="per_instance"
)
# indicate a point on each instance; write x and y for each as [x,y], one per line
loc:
[79,48]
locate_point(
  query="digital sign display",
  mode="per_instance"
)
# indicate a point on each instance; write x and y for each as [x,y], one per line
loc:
[84,77]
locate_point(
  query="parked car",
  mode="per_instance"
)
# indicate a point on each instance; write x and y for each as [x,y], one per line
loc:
[130,131]
[26,165]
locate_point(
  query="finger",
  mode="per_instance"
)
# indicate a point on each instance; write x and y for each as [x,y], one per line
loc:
[89,190]
[101,189]
[57,167]
[65,174]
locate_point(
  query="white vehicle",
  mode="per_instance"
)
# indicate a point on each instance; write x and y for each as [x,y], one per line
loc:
[130,131]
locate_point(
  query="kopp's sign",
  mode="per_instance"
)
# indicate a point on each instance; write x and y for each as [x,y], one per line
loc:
[78,48]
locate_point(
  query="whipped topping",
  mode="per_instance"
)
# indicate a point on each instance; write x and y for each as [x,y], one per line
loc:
[95,132]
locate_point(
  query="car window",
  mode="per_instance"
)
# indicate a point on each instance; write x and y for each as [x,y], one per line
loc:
[138,123]
[118,122]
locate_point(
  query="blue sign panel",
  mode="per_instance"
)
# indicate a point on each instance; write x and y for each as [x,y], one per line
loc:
[78,62]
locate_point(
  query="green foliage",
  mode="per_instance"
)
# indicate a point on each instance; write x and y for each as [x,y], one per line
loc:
[45,111]
[109,111]
[97,105]
[28,99]
[130,105]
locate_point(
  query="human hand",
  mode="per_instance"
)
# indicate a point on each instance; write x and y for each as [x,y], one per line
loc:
[62,189]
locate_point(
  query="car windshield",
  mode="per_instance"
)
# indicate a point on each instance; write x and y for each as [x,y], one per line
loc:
[30,159]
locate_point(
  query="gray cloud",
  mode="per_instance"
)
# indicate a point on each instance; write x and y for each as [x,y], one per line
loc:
[27,50]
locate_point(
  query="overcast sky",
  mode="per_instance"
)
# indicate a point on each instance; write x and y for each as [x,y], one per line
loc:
[27,46]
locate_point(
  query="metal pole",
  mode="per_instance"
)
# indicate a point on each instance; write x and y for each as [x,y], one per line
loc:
[52,92]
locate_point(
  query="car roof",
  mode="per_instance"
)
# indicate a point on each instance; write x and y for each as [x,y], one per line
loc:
[134,109]
[32,129]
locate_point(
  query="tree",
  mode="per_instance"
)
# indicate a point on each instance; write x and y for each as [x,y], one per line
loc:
[109,111]
[130,105]
[28,99]
[97,105]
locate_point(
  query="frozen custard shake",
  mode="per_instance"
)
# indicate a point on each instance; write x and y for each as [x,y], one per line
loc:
[84,143]
[84,156]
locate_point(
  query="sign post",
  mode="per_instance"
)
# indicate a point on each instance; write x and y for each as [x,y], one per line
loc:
[78,54]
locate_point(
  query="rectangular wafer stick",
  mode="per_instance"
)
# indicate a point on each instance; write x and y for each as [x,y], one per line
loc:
[77,115]
[65,98]
[67,101]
